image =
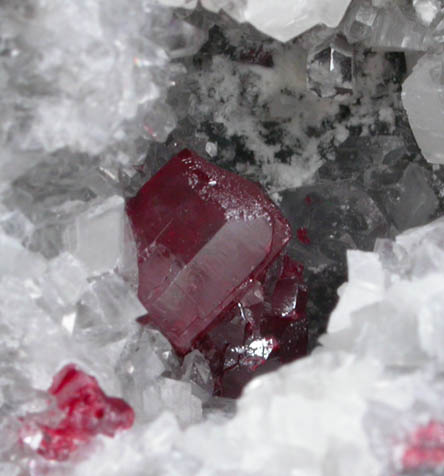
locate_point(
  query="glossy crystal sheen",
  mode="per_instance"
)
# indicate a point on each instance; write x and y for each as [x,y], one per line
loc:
[202,235]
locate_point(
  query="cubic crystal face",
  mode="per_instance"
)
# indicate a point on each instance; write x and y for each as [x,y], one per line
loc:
[203,234]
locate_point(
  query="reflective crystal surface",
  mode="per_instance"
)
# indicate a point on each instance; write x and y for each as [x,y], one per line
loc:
[199,247]
[303,97]
[330,69]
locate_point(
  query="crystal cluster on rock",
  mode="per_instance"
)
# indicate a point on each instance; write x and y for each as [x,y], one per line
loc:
[85,78]
[95,100]
[211,245]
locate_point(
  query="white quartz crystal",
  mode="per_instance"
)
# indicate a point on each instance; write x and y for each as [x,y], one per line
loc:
[423,99]
[284,19]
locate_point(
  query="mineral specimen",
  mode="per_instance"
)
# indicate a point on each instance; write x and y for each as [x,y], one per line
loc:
[425,450]
[268,328]
[330,68]
[423,94]
[202,247]
[94,100]
[286,19]
[85,412]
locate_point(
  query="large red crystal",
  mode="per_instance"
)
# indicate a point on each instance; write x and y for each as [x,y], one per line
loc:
[87,412]
[203,235]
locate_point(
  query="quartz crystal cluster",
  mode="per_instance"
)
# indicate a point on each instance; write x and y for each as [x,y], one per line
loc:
[221,237]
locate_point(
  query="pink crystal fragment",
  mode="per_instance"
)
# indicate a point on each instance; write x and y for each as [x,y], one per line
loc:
[303,237]
[203,234]
[425,450]
[87,412]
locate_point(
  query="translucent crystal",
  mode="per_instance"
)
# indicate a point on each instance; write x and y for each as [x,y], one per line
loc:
[179,38]
[15,259]
[198,248]
[427,10]
[96,236]
[286,19]
[179,3]
[337,216]
[359,20]
[330,69]
[396,28]
[177,396]
[64,281]
[195,369]
[416,202]
[423,99]
[106,310]
[147,357]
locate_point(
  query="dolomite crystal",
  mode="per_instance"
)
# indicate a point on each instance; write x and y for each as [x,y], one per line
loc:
[285,19]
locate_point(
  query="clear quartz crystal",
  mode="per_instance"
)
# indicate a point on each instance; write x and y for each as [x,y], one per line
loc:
[330,68]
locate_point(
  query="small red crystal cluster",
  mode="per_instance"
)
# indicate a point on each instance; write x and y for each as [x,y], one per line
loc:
[212,274]
[425,450]
[87,412]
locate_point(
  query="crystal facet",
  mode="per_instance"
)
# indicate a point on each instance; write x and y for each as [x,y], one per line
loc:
[330,68]
[199,246]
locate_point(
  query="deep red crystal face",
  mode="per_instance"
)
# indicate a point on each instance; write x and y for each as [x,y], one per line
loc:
[87,412]
[266,329]
[202,235]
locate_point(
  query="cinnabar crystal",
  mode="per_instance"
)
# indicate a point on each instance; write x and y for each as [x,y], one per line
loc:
[202,234]
[87,413]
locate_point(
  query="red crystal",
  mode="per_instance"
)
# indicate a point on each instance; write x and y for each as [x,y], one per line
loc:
[425,450]
[87,412]
[258,338]
[203,235]
[303,236]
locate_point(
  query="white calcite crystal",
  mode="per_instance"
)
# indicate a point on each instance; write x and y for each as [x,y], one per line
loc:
[423,99]
[285,19]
